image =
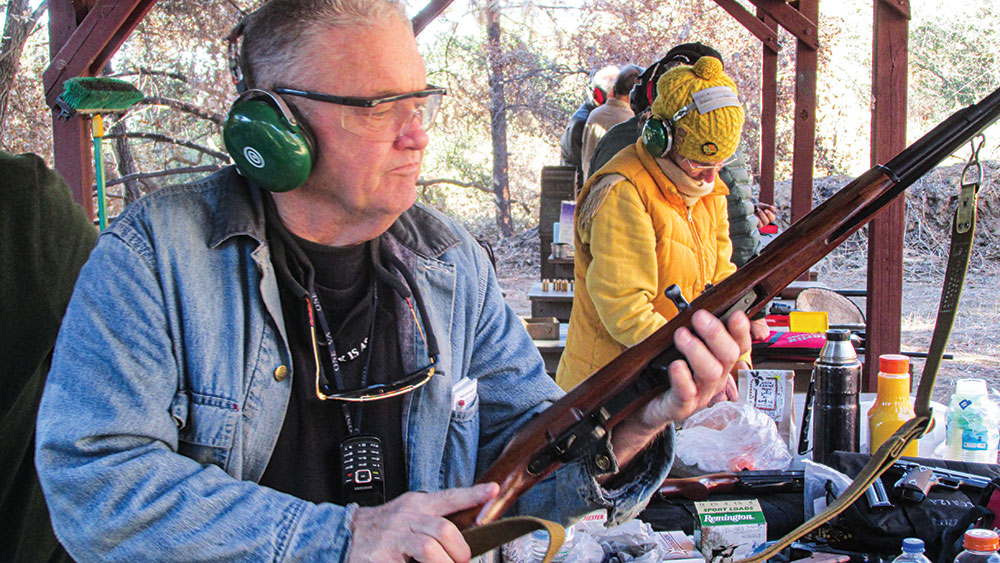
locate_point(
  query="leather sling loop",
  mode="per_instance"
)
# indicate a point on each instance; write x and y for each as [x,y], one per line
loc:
[488,536]
[962,230]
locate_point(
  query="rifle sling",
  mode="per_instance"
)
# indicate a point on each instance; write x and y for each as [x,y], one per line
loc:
[963,228]
[488,536]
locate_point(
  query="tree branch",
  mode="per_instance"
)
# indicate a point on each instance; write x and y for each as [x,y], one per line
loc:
[37,14]
[150,72]
[159,173]
[551,70]
[183,106]
[476,185]
[165,139]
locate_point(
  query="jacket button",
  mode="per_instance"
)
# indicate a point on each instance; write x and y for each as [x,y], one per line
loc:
[603,463]
[280,373]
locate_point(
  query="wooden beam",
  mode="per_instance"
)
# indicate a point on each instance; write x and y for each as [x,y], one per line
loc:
[92,43]
[428,13]
[902,7]
[71,147]
[768,35]
[70,139]
[806,62]
[885,232]
[798,22]
[768,115]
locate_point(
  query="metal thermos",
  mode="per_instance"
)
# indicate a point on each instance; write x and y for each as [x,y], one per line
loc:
[837,373]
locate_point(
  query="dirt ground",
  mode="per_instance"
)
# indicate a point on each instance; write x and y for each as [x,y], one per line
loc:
[975,339]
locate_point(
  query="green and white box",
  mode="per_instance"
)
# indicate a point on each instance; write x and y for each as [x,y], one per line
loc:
[729,530]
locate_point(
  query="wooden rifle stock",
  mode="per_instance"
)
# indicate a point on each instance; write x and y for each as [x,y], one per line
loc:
[566,430]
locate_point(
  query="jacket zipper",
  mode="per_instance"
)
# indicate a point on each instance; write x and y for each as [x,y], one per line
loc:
[698,247]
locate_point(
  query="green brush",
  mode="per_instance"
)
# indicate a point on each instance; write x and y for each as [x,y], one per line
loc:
[94,96]
[91,94]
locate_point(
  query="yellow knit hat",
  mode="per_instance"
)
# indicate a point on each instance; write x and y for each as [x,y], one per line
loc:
[710,129]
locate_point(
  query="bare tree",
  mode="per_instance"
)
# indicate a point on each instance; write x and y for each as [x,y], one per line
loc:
[18,25]
[498,119]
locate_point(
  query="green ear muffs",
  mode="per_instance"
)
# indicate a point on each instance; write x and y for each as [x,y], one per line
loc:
[657,137]
[270,147]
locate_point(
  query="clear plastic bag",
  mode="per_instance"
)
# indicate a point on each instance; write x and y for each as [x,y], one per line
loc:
[634,541]
[822,485]
[731,436]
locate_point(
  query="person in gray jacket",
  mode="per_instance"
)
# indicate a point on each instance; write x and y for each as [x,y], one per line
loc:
[290,360]
[745,216]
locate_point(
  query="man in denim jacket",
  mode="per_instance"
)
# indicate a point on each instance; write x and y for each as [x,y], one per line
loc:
[195,408]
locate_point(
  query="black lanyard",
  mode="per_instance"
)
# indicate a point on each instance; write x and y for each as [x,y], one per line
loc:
[338,377]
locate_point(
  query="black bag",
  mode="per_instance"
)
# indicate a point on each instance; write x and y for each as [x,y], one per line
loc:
[782,511]
[940,520]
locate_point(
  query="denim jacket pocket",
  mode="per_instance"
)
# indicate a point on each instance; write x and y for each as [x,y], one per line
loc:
[206,433]
[462,443]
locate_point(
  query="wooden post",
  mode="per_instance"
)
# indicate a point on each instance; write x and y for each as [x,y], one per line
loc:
[768,115]
[885,232]
[805,117]
[70,139]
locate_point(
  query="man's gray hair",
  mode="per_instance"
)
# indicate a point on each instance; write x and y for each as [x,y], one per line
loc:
[275,35]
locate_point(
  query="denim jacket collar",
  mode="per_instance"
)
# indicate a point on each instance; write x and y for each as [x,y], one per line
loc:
[240,210]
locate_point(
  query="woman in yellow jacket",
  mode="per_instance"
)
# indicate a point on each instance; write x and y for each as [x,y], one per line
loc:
[653,216]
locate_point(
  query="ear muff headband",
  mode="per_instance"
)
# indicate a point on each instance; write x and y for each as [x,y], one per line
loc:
[651,85]
[233,54]
[270,146]
[658,135]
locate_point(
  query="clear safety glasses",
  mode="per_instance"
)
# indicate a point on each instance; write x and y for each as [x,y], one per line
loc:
[698,167]
[383,118]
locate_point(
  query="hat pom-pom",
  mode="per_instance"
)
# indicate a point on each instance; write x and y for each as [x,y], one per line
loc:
[708,68]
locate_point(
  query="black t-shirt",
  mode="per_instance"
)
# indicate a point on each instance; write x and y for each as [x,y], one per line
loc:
[306,459]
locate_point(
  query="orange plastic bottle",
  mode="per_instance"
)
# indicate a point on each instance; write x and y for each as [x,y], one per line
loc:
[893,405]
[980,547]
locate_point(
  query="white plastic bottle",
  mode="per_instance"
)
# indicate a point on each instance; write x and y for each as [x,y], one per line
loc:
[913,552]
[972,433]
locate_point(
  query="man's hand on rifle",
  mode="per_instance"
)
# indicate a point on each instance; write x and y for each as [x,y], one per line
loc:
[413,525]
[711,352]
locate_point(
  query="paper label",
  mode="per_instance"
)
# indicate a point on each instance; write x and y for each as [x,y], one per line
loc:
[463,394]
[714,98]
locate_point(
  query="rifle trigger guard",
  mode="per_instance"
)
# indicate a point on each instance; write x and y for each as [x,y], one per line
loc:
[573,443]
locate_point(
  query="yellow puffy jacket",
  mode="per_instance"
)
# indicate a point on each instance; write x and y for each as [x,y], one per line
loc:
[633,238]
